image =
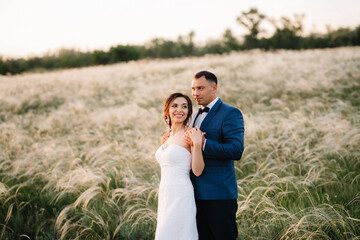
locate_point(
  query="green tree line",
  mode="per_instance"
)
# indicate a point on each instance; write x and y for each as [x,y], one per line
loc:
[288,34]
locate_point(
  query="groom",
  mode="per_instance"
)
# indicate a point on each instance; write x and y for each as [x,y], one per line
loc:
[216,188]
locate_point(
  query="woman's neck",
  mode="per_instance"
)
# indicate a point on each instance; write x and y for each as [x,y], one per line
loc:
[177,128]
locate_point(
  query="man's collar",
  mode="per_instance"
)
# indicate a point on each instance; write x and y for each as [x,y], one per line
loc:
[210,105]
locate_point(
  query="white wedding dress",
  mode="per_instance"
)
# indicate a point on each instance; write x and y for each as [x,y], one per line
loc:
[176,217]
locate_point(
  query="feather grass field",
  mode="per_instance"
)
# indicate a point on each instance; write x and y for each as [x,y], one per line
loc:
[77,146]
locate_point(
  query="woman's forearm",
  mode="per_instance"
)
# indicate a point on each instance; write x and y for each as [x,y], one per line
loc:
[197,162]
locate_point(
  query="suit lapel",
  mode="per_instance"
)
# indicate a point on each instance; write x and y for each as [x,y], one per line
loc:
[196,116]
[211,114]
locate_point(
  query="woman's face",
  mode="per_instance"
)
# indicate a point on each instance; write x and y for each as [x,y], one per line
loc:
[178,110]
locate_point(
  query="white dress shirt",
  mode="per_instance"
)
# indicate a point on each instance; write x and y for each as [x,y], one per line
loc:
[202,116]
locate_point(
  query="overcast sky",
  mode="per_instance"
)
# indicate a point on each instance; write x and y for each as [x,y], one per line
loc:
[33,27]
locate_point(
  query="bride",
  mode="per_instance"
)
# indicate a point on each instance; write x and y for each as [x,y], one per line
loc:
[176,202]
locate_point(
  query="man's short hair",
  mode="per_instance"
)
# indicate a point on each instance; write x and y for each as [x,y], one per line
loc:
[208,75]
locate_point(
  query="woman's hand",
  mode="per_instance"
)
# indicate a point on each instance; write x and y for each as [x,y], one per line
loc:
[197,136]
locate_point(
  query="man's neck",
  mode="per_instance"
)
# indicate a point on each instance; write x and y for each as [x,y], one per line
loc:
[202,106]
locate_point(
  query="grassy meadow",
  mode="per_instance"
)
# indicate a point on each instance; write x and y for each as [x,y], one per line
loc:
[77,146]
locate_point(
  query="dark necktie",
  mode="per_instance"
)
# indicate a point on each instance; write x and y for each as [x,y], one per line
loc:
[205,109]
[201,110]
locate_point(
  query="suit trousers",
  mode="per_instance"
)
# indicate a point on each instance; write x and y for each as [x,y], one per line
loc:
[216,219]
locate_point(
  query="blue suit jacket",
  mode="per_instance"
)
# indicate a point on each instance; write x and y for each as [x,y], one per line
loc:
[224,128]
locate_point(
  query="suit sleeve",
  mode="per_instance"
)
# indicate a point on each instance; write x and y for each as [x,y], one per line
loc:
[232,144]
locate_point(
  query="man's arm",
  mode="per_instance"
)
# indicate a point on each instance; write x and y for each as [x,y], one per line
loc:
[165,137]
[232,145]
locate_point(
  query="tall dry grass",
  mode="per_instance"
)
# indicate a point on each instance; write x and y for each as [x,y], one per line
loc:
[77,146]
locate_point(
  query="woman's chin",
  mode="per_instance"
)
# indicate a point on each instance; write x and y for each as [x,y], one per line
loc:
[178,121]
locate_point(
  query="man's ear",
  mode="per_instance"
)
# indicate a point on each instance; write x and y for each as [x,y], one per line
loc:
[214,87]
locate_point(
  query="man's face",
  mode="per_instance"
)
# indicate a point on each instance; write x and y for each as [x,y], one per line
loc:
[203,91]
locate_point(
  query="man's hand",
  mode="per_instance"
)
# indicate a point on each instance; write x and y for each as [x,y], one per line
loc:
[165,137]
[188,140]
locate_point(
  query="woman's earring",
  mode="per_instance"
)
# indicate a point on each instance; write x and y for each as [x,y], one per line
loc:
[187,124]
[168,121]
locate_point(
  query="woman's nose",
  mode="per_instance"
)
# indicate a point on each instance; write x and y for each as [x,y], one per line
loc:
[178,109]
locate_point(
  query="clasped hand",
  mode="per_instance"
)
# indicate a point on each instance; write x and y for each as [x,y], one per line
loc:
[194,136]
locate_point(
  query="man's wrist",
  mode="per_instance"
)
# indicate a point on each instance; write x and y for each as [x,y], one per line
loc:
[203,144]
